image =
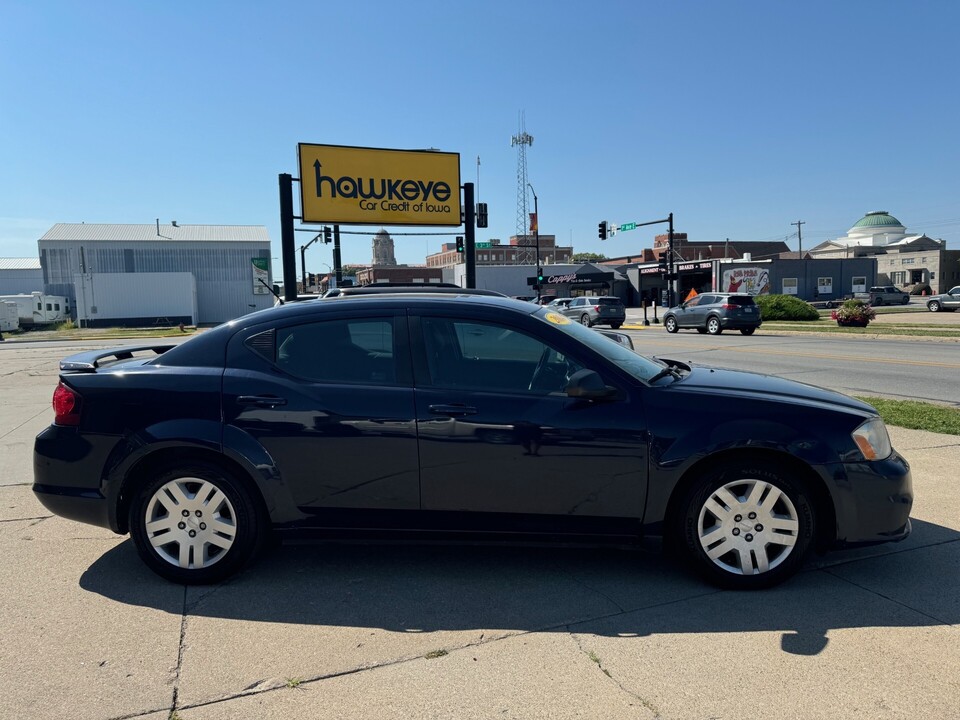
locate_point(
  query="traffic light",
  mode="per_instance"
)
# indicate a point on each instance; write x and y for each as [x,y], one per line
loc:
[481,215]
[327,234]
[602,230]
[459,243]
[539,277]
[662,264]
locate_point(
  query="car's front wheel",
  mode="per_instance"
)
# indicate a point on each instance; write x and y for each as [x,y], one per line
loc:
[670,324]
[747,525]
[195,524]
[713,326]
[933,306]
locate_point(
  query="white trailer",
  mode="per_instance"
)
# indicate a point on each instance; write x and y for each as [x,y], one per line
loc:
[39,309]
[9,317]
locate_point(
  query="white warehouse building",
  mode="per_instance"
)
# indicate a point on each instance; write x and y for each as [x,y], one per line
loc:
[20,276]
[157,274]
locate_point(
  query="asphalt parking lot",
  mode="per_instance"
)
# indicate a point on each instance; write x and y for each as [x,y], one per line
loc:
[326,630]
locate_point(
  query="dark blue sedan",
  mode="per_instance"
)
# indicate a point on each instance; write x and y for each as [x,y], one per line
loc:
[454,414]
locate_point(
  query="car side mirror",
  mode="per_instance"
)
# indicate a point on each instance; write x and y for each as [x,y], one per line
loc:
[588,385]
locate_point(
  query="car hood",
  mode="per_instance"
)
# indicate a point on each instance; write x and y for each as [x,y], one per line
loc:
[741,382]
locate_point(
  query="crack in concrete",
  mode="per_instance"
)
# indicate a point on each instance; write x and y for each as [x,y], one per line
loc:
[180,646]
[32,417]
[583,584]
[38,519]
[599,663]
[904,605]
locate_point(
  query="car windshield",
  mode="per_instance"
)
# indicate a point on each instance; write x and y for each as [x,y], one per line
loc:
[640,367]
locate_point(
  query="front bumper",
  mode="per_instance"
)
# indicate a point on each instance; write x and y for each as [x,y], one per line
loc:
[873,501]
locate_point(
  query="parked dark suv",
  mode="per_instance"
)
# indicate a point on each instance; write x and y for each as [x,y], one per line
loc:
[417,414]
[713,313]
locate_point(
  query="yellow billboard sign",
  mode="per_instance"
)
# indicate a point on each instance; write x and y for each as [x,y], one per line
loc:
[370,186]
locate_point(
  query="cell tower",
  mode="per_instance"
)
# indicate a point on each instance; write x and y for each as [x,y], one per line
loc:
[526,254]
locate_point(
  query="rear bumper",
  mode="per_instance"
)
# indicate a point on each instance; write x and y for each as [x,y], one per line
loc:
[86,506]
[66,475]
[740,322]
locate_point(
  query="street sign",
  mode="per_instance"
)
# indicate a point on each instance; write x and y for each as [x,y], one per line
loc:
[482,245]
[628,226]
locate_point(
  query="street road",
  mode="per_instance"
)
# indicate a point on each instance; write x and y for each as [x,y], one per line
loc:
[898,368]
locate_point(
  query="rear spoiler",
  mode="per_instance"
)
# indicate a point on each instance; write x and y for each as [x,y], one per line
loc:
[90,361]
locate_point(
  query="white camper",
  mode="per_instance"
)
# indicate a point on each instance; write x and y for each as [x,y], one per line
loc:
[9,317]
[39,309]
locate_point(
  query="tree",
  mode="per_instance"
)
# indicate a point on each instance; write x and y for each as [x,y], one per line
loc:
[588,257]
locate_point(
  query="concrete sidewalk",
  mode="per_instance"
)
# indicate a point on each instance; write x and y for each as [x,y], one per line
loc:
[359,631]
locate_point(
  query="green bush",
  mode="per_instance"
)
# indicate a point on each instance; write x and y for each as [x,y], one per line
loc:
[67,325]
[785,307]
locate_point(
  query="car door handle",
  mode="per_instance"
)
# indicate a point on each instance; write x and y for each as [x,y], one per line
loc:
[261,400]
[452,410]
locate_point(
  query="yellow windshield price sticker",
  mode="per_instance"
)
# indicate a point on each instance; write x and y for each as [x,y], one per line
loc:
[557,319]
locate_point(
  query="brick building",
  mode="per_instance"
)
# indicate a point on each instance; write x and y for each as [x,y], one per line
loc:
[520,251]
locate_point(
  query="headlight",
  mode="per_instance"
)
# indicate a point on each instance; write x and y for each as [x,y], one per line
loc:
[872,439]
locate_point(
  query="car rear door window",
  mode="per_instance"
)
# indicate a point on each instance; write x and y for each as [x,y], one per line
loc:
[353,350]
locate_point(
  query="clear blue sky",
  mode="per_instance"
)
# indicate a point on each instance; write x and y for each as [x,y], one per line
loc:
[738,117]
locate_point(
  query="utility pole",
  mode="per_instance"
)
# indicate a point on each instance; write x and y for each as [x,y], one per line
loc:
[798,223]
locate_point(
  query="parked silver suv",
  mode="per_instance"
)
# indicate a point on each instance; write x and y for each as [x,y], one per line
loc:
[592,311]
[950,300]
[715,312]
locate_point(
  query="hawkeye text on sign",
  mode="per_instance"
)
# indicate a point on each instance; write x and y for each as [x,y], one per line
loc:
[370,186]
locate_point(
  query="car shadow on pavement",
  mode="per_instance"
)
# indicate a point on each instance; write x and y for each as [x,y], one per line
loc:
[416,588]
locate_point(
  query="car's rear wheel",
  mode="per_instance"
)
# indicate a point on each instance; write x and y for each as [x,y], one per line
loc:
[747,525]
[748,331]
[933,306]
[585,320]
[195,525]
[878,301]
[615,326]
[670,324]
[713,326]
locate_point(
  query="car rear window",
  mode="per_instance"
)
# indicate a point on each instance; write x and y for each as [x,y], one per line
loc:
[609,301]
[741,300]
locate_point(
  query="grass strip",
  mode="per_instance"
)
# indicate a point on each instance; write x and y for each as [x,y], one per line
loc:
[873,329]
[917,415]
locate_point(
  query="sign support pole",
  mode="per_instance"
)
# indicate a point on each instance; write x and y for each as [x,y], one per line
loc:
[469,235]
[287,251]
[337,265]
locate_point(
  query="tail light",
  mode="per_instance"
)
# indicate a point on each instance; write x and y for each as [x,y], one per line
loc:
[728,306]
[66,406]
[597,308]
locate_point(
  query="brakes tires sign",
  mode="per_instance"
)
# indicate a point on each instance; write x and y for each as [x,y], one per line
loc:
[369,186]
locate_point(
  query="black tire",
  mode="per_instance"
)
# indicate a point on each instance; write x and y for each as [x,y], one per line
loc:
[878,302]
[906,300]
[934,306]
[742,566]
[585,320]
[748,331]
[615,326]
[670,324]
[713,325]
[195,489]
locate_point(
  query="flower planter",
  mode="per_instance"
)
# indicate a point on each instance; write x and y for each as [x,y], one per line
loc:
[853,323]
